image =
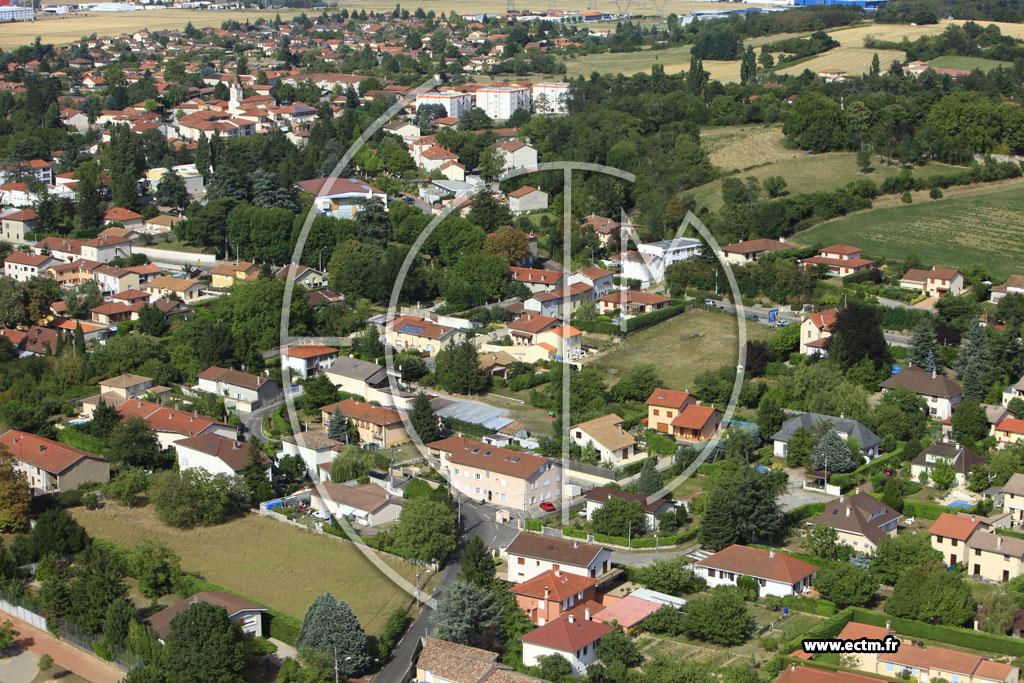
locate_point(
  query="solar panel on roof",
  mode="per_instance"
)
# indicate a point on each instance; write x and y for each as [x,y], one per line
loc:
[411,329]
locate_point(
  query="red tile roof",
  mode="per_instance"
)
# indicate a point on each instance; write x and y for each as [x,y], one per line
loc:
[50,456]
[491,458]
[693,417]
[959,527]
[164,419]
[667,398]
[559,585]
[366,412]
[234,454]
[567,636]
[761,564]
[310,351]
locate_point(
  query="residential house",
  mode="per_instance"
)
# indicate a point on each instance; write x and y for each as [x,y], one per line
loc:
[572,638]
[415,332]
[306,360]
[160,225]
[496,363]
[526,328]
[812,674]
[1013,498]
[367,504]
[113,280]
[934,282]
[226,274]
[341,197]
[502,477]
[564,339]
[962,459]
[515,154]
[455,104]
[651,260]
[126,386]
[560,302]
[375,424]
[606,229]
[678,414]
[861,521]
[548,595]
[776,573]
[441,661]
[530,555]
[111,313]
[940,393]
[815,423]
[815,329]
[303,275]
[126,217]
[919,662]
[51,466]
[840,260]
[1013,285]
[652,506]
[526,199]
[165,286]
[23,266]
[748,251]
[612,443]
[172,425]
[602,280]
[314,448]
[248,615]
[630,303]
[242,391]
[1015,390]
[538,279]
[1008,431]
[35,341]
[628,613]
[216,454]
[15,223]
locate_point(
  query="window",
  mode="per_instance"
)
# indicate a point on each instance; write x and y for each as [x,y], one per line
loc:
[888,666]
[656,413]
[477,476]
[457,471]
[547,482]
[521,560]
[953,542]
[504,482]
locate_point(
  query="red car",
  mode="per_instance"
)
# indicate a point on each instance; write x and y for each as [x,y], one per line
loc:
[546,505]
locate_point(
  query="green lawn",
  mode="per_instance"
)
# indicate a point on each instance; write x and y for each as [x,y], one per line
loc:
[678,358]
[968,63]
[980,228]
[813,173]
[264,560]
[674,59]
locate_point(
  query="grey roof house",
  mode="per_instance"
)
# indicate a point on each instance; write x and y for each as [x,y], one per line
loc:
[861,521]
[812,422]
[962,459]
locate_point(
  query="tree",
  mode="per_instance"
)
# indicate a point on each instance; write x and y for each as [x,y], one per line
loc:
[973,365]
[618,647]
[637,384]
[151,320]
[823,541]
[970,423]
[722,618]
[157,568]
[832,453]
[716,529]
[619,517]
[204,645]
[331,627]
[56,532]
[816,123]
[845,585]
[697,78]
[923,349]
[491,164]
[15,495]
[864,159]
[477,563]
[856,335]
[997,613]
[894,555]
[673,576]
[133,443]
[119,617]
[256,474]
[368,344]
[468,614]
[7,634]
[799,448]
[892,494]
[41,291]
[554,667]
[932,594]
[509,243]
[171,190]
[650,478]
[12,303]
[423,419]
[127,485]
[96,581]
[426,531]
[769,415]
[337,426]
[943,475]
[459,371]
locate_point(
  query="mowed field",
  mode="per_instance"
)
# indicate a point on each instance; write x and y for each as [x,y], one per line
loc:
[679,359]
[732,147]
[965,228]
[968,63]
[264,560]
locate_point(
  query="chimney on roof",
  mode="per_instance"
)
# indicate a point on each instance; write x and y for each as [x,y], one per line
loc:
[547,593]
[771,553]
[586,613]
[841,498]
[888,624]
[999,541]
[572,619]
[933,374]
[42,447]
[575,544]
[847,510]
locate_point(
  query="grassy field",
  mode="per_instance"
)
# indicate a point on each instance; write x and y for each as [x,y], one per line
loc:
[679,359]
[956,231]
[264,560]
[803,173]
[854,60]
[745,146]
[968,63]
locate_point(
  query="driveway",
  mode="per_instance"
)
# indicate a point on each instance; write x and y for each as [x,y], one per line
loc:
[39,643]
[254,421]
[794,498]
[18,665]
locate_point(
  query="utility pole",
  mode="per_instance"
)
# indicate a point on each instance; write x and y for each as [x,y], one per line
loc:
[629,536]
[335,664]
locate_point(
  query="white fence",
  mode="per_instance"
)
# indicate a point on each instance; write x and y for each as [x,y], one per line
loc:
[28,616]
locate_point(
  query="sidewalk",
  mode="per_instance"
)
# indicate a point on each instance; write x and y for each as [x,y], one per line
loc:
[71,658]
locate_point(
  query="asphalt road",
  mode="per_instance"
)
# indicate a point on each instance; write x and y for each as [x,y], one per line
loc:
[254,421]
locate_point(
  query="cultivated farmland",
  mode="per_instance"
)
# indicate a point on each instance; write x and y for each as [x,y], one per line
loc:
[678,357]
[264,560]
[984,227]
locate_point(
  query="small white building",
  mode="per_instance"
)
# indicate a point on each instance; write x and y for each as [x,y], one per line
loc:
[307,360]
[369,504]
[612,442]
[533,554]
[527,199]
[515,154]
[341,197]
[215,454]
[649,263]
[776,574]
[314,448]
[23,266]
[568,636]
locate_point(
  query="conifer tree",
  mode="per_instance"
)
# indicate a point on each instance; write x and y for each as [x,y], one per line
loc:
[717,526]
[650,478]
[331,627]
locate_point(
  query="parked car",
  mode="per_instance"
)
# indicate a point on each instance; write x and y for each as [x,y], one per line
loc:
[710,302]
[547,505]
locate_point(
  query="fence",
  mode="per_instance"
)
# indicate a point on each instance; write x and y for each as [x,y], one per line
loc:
[66,631]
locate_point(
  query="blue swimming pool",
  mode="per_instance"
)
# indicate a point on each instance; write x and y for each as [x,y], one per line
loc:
[959,504]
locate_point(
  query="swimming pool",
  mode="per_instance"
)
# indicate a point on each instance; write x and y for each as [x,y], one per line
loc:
[959,504]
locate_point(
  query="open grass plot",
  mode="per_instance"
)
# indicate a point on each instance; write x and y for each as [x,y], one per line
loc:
[681,348]
[985,227]
[265,560]
[853,60]
[968,63]
[733,147]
